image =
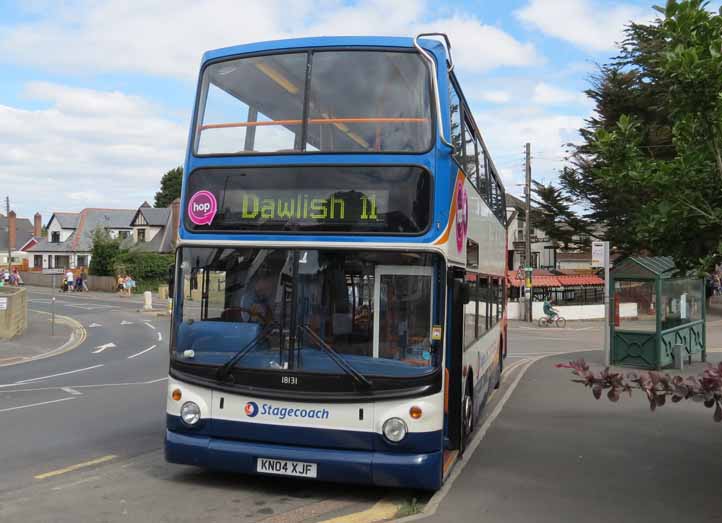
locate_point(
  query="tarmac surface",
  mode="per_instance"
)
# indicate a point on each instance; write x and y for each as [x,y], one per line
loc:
[82,436]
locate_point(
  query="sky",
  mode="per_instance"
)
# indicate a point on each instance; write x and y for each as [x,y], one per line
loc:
[96,96]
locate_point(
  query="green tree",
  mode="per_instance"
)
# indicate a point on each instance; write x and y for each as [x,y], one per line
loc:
[105,253]
[650,165]
[554,215]
[170,187]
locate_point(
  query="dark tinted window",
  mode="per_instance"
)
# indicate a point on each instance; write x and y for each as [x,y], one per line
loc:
[455,113]
[392,200]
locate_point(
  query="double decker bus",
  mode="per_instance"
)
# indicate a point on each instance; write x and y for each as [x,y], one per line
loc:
[340,272]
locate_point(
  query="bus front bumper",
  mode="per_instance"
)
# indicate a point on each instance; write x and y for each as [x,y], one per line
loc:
[421,471]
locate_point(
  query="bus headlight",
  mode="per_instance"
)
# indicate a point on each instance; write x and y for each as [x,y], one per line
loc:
[190,413]
[394,429]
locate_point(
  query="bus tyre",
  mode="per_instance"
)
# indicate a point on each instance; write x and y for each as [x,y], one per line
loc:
[467,409]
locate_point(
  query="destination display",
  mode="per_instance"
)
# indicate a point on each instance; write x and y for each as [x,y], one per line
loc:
[392,200]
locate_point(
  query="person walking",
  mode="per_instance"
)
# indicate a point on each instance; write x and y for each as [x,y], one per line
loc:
[84,281]
[69,280]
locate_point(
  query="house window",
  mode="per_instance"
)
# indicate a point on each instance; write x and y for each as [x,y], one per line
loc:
[38,261]
[124,234]
[141,235]
[82,261]
[55,237]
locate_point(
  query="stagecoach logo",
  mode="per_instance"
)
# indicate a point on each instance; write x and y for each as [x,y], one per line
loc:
[251,409]
[202,208]
[462,215]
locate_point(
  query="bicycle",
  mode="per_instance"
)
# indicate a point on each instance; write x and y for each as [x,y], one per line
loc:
[546,321]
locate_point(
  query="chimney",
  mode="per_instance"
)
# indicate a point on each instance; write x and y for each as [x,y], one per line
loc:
[175,220]
[38,225]
[12,230]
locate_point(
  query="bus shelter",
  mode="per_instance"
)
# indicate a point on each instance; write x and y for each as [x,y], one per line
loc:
[655,310]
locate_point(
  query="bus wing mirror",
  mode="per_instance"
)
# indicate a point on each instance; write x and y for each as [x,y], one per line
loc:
[171,279]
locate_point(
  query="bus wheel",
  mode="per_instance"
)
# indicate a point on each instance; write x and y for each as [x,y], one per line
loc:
[467,409]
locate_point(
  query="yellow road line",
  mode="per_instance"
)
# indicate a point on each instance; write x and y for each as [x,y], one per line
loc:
[382,510]
[77,466]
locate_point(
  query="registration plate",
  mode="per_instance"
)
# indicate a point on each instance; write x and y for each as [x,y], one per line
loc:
[286,468]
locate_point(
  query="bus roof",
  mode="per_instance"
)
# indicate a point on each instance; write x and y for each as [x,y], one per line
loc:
[321,41]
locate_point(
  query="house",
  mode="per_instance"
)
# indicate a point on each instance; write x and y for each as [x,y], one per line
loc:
[543,250]
[20,235]
[153,229]
[69,242]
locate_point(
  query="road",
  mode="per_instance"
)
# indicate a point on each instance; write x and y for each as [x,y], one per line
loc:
[82,434]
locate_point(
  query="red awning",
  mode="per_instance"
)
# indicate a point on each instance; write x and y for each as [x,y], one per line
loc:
[576,280]
[536,281]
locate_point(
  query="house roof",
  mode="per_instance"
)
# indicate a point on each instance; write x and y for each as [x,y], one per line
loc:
[513,201]
[23,232]
[153,217]
[66,220]
[89,220]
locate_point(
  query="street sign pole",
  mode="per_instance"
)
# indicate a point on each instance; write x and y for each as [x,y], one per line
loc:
[600,258]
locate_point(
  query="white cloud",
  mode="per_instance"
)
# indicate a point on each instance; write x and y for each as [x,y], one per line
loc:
[506,131]
[111,152]
[494,96]
[166,37]
[594,26]
[545,94]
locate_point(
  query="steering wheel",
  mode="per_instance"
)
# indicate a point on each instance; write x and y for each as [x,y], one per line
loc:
[250,313]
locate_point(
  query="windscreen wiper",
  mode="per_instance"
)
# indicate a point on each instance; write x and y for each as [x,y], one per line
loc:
[226,368]
[337,358]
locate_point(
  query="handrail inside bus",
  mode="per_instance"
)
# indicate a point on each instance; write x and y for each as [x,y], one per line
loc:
[312,121]
[434,83]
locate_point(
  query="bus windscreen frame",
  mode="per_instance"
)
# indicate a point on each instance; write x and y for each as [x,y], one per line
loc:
[316,100]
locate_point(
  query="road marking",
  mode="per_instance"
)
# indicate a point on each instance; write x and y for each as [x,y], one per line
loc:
[96,385]
[94,325]
[101,348]
[36,404]
[124,322]
[76,483]
[381,511]
[142,352]
[30,380]
[75,467]
[72,391]
[160,337]
[512,366]
[150,325]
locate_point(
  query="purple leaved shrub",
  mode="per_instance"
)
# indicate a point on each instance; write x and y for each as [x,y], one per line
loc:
[705,388]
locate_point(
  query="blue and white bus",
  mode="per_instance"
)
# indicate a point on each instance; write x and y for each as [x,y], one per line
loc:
[340,274]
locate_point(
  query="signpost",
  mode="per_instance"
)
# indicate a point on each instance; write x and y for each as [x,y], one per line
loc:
[53,272]
[600,258]
[529,294]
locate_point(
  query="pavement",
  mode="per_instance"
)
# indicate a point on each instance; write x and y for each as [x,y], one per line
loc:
[82,437]
[39,339]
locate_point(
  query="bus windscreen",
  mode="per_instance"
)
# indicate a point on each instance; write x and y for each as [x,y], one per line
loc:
[331,199]
[315,101]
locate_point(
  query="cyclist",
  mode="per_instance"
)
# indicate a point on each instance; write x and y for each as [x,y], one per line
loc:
[550,311]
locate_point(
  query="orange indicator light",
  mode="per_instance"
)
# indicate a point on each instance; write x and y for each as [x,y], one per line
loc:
[415,412]
[176,395]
